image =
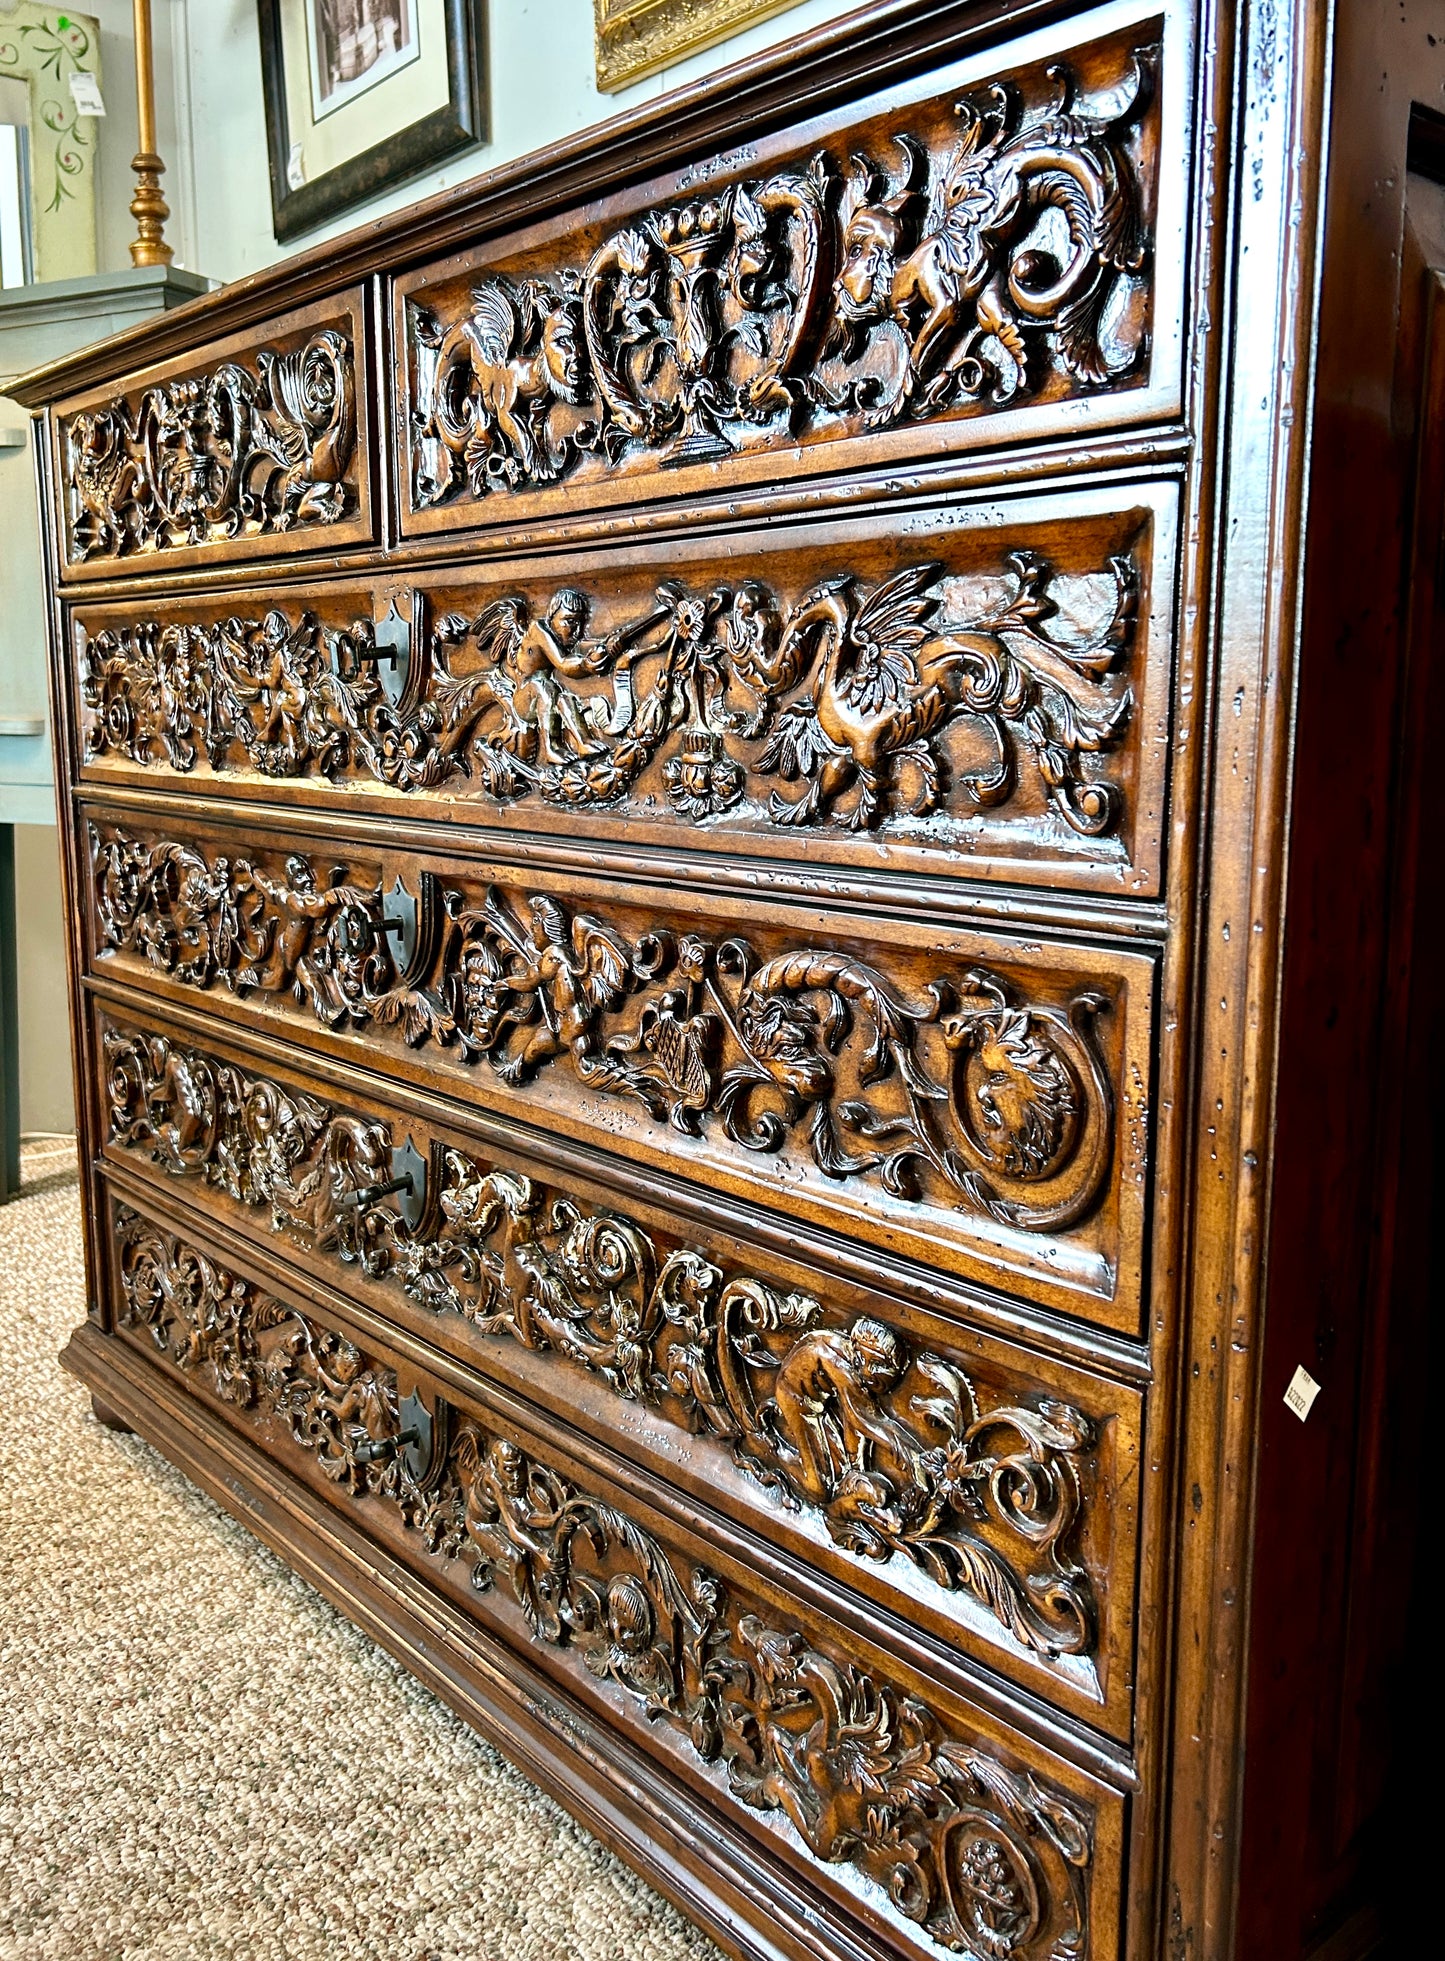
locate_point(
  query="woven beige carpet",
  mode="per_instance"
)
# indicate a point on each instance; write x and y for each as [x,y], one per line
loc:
[198,1757]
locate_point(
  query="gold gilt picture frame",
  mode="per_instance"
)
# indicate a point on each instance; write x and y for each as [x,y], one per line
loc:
[638,37]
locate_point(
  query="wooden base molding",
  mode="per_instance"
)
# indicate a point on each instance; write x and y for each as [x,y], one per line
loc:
[107,1417]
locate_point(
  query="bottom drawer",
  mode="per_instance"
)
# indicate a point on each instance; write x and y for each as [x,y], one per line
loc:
[906,1817]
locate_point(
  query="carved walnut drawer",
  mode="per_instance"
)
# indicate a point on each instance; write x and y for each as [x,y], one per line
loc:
[258,450]
[1019,726]
[674,862]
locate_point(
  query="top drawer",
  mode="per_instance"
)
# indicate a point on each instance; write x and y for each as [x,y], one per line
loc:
[988,252]
[256,449]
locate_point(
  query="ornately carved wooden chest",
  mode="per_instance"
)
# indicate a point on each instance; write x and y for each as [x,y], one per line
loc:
[698,1094]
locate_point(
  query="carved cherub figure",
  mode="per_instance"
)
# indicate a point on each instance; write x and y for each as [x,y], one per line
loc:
[507,1529]
[180,1107]
[531,660]
[300,908]
[331,1399]
[266,671]
[351,1395]
[624,1646]
[187,476]
[574,977]
[186,937]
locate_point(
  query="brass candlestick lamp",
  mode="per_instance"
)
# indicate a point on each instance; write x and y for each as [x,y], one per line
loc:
[148,207]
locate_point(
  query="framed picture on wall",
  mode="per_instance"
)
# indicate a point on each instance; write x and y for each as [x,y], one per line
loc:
[361,95]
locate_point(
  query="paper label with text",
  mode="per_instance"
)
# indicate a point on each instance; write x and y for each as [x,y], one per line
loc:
[1300,1396]
[85,94]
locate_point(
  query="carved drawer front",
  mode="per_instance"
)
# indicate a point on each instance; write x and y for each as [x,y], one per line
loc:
[975,1838]
[961,1099]
[985,252]
[965,1490]
[984,684]
[257,450]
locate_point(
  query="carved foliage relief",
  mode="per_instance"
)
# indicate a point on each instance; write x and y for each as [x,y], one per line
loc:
[256,446]
[899,1451]
[956,1089]
[978,254]
[989,1860]
[916,697]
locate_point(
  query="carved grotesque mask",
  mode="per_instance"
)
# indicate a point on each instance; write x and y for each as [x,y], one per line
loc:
[562,346]
[629,1616]
[870,250]
[875,1354]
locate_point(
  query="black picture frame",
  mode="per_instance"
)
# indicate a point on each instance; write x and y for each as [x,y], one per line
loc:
[458,124]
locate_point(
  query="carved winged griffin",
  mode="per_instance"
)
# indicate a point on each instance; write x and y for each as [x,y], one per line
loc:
[1022,239]
[888,675]
[104,480]
[520,349]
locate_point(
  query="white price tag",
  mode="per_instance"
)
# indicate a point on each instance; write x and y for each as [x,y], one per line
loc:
[295,168]
[1300,1396]
[85,94]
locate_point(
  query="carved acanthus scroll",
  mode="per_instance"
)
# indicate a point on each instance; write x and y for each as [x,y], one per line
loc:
[242,451]
[964,1094]
[984,1856]
[976,272]
[897,1450]
[849,692]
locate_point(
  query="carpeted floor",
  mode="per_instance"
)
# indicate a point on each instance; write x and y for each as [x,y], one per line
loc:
[198,1757]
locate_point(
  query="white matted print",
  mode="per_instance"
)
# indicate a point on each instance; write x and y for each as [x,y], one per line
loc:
[361,95]
[363,105]
[352,45]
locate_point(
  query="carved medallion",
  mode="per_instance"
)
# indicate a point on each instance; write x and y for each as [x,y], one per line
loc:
[897,1450]
[250,449]
[961,1092]
[988,258]
[721,705]
[983,1856]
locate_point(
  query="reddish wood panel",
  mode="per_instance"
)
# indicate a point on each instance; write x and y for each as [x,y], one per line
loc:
[981,1493]
[852,289]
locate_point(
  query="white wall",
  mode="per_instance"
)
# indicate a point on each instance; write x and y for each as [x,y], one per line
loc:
[540,85]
